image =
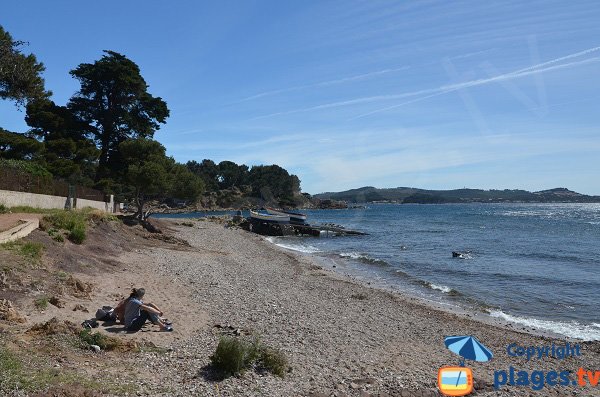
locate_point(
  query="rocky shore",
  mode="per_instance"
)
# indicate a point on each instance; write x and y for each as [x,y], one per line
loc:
[341,338]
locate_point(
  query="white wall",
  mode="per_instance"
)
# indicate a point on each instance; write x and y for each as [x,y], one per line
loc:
[13,199]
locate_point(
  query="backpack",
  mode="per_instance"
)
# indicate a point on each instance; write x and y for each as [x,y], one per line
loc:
[106,313]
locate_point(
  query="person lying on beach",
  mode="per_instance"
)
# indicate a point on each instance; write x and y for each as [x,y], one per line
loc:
[134,313]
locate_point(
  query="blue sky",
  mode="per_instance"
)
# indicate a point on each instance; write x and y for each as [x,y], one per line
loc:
[430,94]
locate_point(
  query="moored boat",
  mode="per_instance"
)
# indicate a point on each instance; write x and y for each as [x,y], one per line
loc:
[273,218]
[295,217]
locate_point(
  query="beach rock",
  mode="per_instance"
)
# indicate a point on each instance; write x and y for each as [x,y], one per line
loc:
[55,301]
[80,308]
[9,313]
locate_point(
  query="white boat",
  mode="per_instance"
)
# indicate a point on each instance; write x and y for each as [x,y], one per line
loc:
[283,218]
[295,217]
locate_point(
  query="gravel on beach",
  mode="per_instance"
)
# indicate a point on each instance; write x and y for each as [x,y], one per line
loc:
[341,338]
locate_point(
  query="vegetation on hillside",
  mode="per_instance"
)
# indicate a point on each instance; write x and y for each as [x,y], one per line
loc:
[421,196]
[103,138]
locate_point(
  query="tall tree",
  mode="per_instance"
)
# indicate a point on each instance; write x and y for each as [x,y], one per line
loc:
[153,176]
[19,146]
[231,174]
[69,154]
[115,105]
[20,75]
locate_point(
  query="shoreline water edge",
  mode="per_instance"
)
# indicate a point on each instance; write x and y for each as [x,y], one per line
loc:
[547,311]
[342,335]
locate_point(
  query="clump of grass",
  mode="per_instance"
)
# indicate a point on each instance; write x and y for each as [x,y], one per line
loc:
[233,356]
[274,361]
[77,234]
[56,235]
[3,209]
[105,342]
[41,303]
[18,377]
[29,250]
[62,276]
[31,210]
[74,222]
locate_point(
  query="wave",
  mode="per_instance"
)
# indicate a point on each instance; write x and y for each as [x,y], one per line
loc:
[305,248]
[442,288]
[362,258]
[571,329]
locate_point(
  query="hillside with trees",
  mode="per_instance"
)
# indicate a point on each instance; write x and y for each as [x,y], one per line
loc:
[409,195]
[102,138]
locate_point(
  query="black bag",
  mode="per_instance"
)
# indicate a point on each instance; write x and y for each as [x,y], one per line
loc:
[106,313]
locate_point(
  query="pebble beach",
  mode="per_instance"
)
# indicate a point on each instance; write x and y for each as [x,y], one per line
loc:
[342,338]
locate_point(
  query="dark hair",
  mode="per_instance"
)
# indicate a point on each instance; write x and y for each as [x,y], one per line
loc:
[137,293]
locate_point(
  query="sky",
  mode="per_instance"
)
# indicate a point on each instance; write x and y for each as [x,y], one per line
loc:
[344,94]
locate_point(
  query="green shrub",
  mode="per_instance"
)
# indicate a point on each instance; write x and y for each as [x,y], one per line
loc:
[233,356]
[30,250]
[31,210]
[96,338]
[3,209]
[274,361]
[56,235]
[74,222]
[77,234]
[41,303]
[62,276]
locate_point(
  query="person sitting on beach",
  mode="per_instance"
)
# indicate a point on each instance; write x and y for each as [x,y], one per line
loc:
[137,312]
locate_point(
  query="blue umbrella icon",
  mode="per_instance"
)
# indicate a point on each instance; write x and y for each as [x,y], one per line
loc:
[469,348]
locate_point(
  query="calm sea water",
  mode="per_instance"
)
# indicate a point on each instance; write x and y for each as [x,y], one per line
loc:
[534,264]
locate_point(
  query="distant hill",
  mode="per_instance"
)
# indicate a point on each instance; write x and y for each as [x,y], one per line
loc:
[369,194]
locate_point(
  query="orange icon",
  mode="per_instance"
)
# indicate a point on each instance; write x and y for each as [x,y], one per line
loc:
[455,381]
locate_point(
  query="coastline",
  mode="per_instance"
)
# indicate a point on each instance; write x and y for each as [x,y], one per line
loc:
[342,338]
[335,331]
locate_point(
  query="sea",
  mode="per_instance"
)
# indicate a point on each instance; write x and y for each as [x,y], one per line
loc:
[537,265]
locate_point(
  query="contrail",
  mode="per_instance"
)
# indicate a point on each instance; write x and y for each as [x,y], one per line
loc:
[447,88]
[324,83]
[512,75]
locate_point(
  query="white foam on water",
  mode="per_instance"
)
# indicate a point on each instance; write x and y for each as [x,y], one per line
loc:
[442,288]
[305,248]
[359,256]
[571,329]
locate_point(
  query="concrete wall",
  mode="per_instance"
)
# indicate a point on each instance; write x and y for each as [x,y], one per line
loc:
[13,199]
[19,231]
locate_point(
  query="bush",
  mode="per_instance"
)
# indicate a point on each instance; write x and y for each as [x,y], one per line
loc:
[74,222]
[3,209]
[41,303]
[274,361]
[233,356]
[30,250]
[77,234]
[96,338]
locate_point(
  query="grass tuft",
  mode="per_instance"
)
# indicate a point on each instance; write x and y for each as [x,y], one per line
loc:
[32,251]
[233,356]
[274,361]
[41,303]
[96,338]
